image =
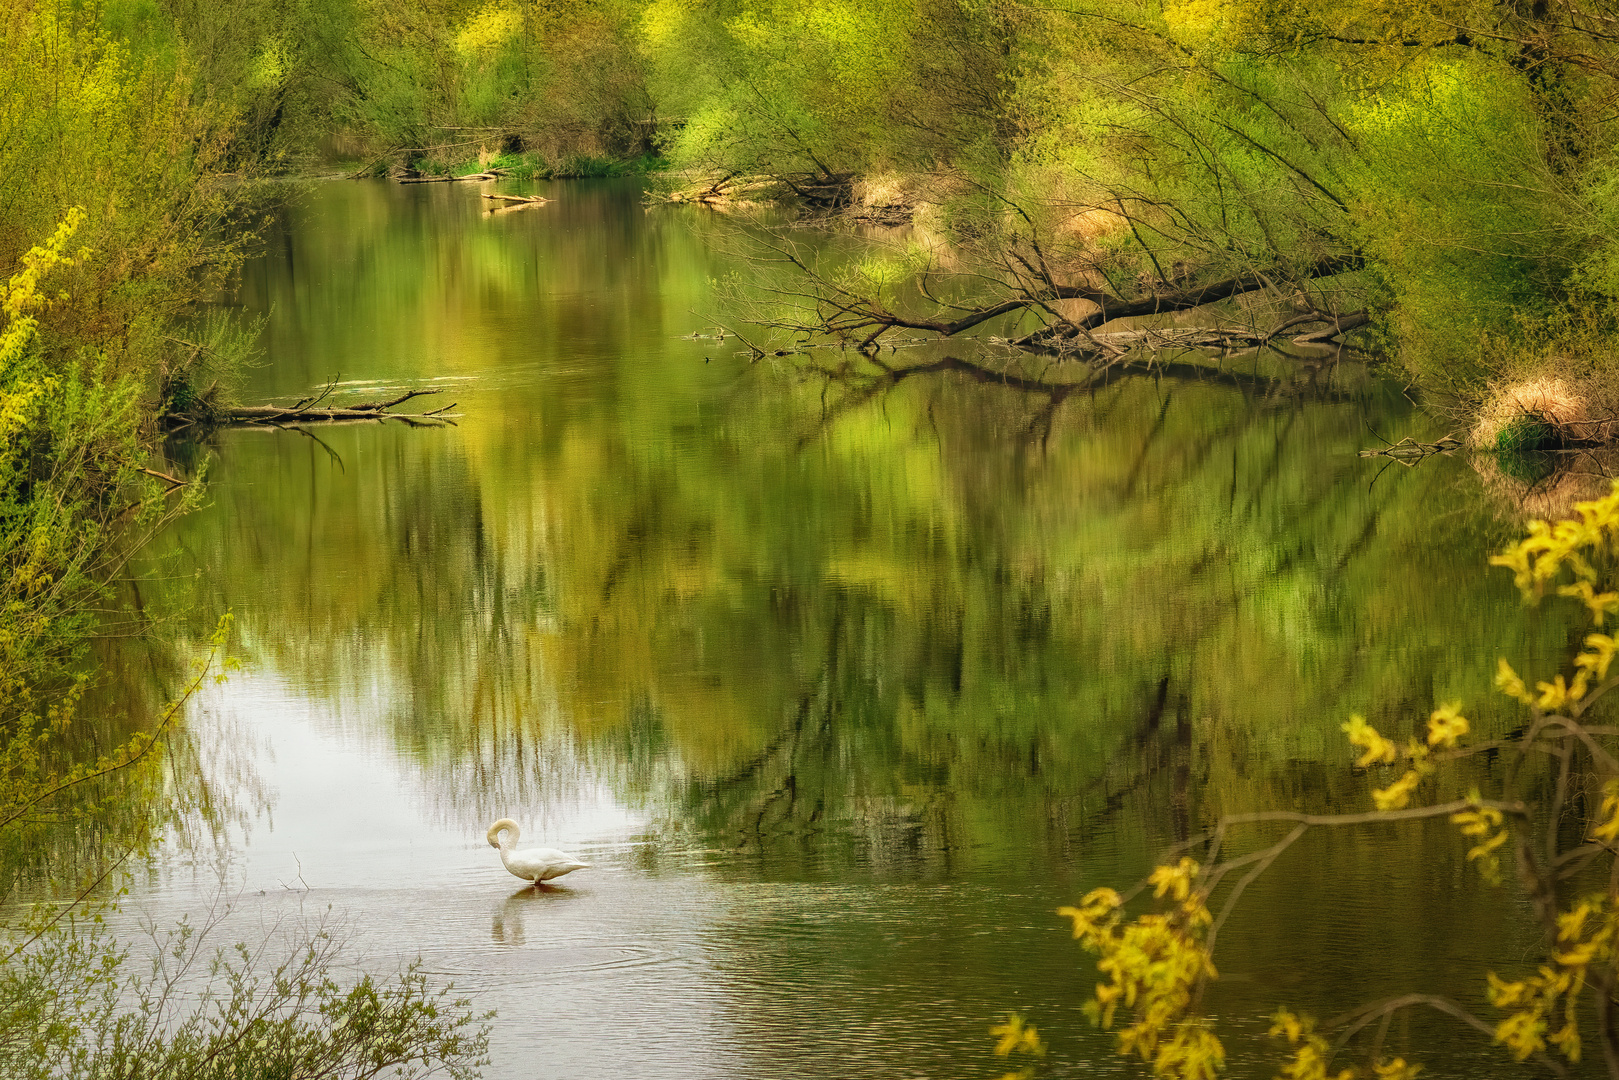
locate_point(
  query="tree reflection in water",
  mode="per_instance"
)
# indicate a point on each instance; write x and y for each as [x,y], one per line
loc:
[825,620]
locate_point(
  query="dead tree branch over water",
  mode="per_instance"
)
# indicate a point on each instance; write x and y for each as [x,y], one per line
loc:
[819,303]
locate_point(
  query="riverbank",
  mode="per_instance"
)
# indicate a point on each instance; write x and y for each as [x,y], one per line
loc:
[1448,208]
[517,165]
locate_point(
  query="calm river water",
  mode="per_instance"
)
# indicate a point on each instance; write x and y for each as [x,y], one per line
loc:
[843,681]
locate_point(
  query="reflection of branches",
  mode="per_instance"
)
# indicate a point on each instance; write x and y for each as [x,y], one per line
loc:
[1104,374]
[127,756]
[331,454]
[870,376]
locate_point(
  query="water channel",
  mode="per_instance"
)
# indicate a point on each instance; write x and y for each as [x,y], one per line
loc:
[843,681]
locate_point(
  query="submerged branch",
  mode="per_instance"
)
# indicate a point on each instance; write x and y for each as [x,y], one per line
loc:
[310,409]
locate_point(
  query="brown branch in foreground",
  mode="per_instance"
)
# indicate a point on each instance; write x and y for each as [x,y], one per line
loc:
[1340,325]
[172,481]
[1605,1031]
[1217,834]
[1215,837]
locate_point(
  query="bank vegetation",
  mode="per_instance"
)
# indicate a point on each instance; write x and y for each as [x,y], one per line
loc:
[1434,184]
[117,225]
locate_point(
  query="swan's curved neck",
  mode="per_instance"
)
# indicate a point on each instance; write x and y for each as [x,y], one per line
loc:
[503,835]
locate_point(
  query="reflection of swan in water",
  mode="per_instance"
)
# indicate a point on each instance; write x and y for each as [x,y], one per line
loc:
[534,864]
[507,926]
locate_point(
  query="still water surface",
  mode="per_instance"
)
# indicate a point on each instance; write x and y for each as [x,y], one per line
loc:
[843,681]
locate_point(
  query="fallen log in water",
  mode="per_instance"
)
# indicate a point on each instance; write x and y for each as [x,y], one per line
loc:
[492,174]
[1116,343]
[1409,451]
[522,200]
[1071,338]
[310,409]
[730,190]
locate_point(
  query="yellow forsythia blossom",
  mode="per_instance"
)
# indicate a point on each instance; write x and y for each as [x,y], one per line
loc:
[1554,695]
[1175,879]
[1478,823]
[1601,605]
[1540,557]
[1586,934]
[1310,1051]
[1446,725]
[1378,749]
[1608,831]
[1398,794]
[1016,1037]
[21,298]
[1596,661]
[1508,682]
[1154,967]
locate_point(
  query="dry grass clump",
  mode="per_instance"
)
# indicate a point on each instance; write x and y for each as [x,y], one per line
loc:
[882,189]
[1093,224]
[1549,400]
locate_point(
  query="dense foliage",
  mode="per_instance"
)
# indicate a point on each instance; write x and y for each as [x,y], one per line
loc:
[1440,176]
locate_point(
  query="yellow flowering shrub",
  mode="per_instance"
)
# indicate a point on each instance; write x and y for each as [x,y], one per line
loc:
[1155,966]
[1013,1036]
[1584,939]
[22,300]
[491,27]
[1310,1051]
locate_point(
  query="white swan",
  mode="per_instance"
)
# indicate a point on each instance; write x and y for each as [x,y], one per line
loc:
[535,864]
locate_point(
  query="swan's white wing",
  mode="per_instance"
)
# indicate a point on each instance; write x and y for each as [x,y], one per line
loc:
[542,864]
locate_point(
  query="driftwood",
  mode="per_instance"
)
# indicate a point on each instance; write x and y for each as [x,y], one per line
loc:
[1119,342]
[492,174]
[309,409]
[1341,324]
[521,200]
[1409,451]
[730,189]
